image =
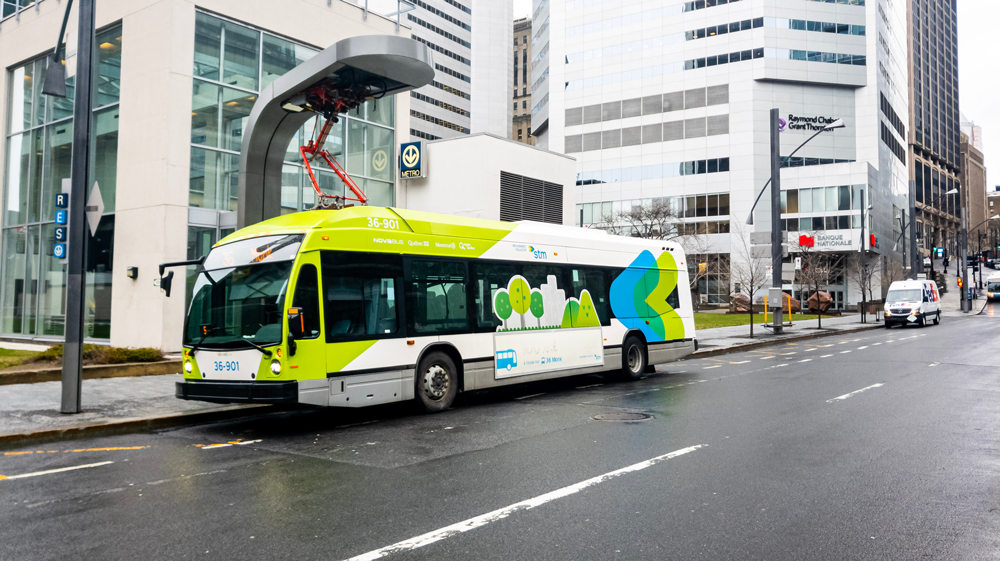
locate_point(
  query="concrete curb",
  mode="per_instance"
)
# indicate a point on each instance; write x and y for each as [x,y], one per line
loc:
[772,342]
[94,372]
[128,426]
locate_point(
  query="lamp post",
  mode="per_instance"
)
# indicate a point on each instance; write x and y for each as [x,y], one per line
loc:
[775,182]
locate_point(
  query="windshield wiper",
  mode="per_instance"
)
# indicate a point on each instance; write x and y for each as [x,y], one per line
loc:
[264,351]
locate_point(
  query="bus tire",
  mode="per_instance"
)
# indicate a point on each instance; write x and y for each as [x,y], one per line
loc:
[634,359]
[436,382]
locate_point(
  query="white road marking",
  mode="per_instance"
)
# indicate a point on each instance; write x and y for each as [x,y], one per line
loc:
[844,352]
[711,367]
[766,357]
[228,444]
[50,471]
[876,344]
[740,362]
[813,349]
[590,386]
[529,396]
[499,514]
[826,356]
[847,395]
[934,364]
[780,365]
[806,360]
[862,348]
[791,353]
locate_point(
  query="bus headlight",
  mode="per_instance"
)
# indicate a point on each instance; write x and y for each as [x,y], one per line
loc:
[188,367]
[275,367]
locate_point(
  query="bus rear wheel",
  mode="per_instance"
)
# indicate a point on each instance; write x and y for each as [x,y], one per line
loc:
[633,359]
[436,382]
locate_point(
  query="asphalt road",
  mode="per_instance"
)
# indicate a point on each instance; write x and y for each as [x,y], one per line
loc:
[880,445]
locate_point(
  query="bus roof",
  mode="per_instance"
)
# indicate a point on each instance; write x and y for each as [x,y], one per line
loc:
[395,230]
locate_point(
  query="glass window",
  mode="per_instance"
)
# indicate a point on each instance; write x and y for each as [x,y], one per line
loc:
[832,198]
[15,255]
[21,99]
[100,264]
[784,202]
[58,161]
[360,295]
[307,300]
[595,282]
[435,296]
[805,201]
[818,200]
[207,46]
[104,155]
[701,205]
[291,188]
[241,56]
[379,193]
[844,197]
[805,224]
[380,153]
[280,56]
[724,204]
[109,67]
[356,147]
[844,222]
[831,222]
[214,179]
[236,106]
[713,205]
[205,114]
[381,111]
[487,279]
[793,201]
[817,223]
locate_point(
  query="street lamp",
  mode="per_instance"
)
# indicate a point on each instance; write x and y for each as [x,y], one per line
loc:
[838,124]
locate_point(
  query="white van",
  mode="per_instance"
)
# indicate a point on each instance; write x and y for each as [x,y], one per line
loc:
[993,287]
[912,302]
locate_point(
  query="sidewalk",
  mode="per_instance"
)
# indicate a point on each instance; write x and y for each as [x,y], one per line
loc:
[30,412]
[951,301]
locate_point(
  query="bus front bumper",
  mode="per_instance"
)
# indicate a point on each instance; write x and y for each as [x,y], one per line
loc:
[239,392]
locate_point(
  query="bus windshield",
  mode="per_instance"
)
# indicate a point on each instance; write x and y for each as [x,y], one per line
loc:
[238,304]
[239,294]
[910,295]
[993,286]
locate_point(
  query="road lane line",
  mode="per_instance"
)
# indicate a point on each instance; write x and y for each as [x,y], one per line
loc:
[499,514]
[711,367]
[844,352]
[766,357]
[740,362]
[812,349]
[826,356]
[847,395]
[862,348]
[228,444]
[806,360]
[876,344]
[50,471]
[529,396]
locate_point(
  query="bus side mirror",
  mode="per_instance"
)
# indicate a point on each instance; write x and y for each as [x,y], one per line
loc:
[166,282]
[296,327]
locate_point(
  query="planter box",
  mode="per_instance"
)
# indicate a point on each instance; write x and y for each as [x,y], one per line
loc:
[127,370]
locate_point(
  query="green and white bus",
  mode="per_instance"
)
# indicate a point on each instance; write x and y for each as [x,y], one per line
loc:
[366,305]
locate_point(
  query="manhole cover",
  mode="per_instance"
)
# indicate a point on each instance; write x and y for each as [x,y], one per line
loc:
[622,417]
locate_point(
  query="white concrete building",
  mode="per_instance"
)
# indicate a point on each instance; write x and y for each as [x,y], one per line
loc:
[671,100]
[492,88]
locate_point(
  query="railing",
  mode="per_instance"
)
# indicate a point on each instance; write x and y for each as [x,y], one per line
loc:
[789,300]
[402,6]
[13,8]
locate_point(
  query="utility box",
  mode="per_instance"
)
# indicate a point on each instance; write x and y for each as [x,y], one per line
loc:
[775,296]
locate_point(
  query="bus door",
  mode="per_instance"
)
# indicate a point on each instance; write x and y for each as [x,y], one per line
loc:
[309,359]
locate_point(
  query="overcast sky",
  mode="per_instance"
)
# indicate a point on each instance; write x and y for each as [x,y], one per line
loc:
[979,72]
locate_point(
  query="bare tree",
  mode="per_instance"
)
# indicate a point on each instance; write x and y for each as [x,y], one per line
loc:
[862,276]
[892,271]
[816,273]
[746,270]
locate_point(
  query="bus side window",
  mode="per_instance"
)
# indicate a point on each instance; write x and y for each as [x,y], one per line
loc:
[435,297]
[360,295]
[307,299]
[487,279]
[594,281]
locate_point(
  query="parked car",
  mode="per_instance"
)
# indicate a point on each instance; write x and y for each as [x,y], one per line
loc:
[927,262]
[912,302]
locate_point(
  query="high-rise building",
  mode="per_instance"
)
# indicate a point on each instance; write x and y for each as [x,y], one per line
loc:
[521,128]
[934,123]
[668,103]
[470,92]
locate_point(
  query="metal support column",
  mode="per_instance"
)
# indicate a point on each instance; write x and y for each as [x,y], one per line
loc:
[863,277]
[916,266]
[964,264]
[776,233]
[76,282]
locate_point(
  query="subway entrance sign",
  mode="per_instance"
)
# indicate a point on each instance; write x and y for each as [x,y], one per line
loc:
[411,160]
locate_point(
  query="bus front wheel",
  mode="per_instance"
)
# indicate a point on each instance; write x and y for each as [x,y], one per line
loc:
[436,382]
[633,359]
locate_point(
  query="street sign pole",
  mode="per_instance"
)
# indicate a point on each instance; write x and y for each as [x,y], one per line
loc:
[776,232]
[915,266]
[964,256]
[76,284]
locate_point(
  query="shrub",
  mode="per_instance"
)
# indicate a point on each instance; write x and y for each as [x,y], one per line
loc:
[99,354]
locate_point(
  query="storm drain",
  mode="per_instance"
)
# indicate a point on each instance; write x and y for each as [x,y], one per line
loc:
[622,417]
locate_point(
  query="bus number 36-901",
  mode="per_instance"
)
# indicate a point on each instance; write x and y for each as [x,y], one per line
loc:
[384,223]
[227,366]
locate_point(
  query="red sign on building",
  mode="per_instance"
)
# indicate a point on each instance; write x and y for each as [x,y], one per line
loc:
[807,241]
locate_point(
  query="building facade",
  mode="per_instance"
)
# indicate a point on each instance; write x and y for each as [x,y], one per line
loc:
[174,85]
[934,153]
[973,131]
[668,103]
[973,181]
[521,126]
[491,87]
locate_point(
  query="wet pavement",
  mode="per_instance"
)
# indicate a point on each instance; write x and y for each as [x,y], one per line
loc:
[875,445]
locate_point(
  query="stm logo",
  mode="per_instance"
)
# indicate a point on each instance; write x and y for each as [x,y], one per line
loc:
[539,254]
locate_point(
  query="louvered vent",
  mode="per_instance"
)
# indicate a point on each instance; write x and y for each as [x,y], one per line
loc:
[591,141]
[611,139]
[631,108]
[652,105]
[718,95]
[631,136]
[673,101]
[694,128]
[694,98]
[651,133]
[525,198]
[718,125]
[612,111]
[574,117]
[592,114]
[673,131]
[574,143]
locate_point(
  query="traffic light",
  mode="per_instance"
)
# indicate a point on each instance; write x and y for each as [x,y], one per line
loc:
[960,282]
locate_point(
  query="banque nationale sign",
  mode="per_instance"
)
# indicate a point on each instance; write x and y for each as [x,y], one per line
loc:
[799,123]
[833,240]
